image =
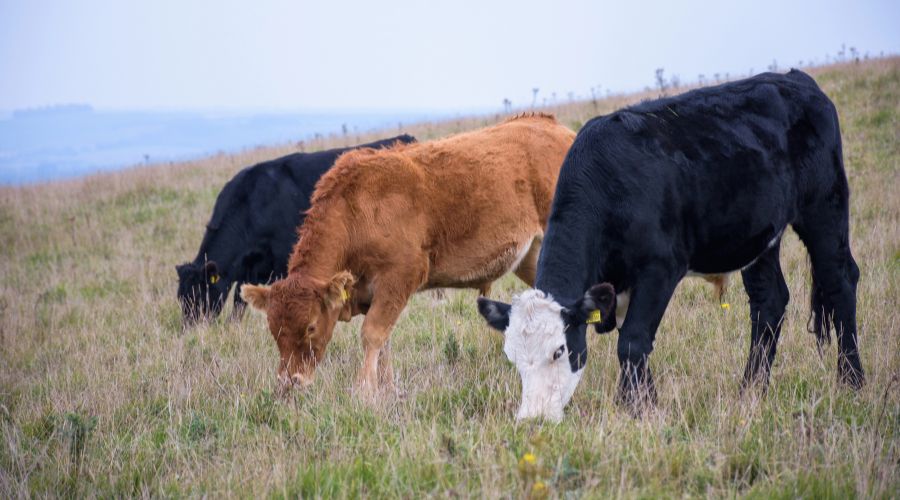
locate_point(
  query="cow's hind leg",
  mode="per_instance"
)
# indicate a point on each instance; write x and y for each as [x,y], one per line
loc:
[649,298]
[237,312]
[825,233]
[768,292]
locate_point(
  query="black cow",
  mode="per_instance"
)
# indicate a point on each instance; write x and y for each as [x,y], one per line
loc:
[252,230]
[701,183]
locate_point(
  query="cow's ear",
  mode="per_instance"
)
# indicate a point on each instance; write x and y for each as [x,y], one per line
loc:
[256,295]
[594,308]
[338,291]
[211,270]
[496,313]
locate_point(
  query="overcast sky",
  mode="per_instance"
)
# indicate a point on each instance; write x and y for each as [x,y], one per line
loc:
[459,54]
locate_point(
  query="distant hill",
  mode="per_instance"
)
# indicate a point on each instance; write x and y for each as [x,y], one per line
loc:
[71,140]
[49,112]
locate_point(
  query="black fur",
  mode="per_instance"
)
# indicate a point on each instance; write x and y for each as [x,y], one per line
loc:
[705,181]
[496,313]
[253,229]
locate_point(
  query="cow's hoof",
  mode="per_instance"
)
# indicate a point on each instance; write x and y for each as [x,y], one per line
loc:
[755,386]
[637,402]
[395,391]
[366,392]
[852,378]
[850,372]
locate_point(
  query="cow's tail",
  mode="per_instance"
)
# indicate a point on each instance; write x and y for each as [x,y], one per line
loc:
[819,322]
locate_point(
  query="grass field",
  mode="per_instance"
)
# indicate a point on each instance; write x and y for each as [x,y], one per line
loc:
[102,394]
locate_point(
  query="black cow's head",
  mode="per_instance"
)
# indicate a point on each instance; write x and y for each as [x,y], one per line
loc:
[199,292]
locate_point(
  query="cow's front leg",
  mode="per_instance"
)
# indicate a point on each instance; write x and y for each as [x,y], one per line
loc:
[376,331]
[388,302]
[386,369]
[649,298]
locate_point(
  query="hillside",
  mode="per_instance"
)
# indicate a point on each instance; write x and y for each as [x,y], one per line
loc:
[101,393]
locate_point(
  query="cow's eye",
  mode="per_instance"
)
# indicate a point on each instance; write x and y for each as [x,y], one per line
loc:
[311,328]
[559,352]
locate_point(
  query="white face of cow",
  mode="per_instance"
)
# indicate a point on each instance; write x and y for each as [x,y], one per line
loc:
[535,342]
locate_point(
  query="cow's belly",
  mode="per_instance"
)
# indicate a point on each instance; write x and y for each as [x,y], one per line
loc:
[732,253]
[471,265]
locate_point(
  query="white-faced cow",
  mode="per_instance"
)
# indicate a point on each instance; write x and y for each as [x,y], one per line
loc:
[251,232]
[701,183]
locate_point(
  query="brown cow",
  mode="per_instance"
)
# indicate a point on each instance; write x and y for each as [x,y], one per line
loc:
[457,212]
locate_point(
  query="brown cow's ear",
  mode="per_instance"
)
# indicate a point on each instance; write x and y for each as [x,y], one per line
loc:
[338,291]
[256,295]
[346,312]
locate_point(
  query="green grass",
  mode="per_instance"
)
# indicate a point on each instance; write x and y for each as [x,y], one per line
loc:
[102,394]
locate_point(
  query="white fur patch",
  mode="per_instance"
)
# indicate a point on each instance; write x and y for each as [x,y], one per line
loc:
[536,330]
[622,300]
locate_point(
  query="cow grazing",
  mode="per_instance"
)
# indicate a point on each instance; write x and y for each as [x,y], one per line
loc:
[456,212]
[252,229]
[701,183]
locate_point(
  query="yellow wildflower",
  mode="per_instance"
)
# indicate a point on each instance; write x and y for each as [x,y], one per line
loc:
[726,306]
[539,490]
[528,465]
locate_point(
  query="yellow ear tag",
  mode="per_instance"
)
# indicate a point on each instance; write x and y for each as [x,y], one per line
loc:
[594,317]
[214,279]
[345,295]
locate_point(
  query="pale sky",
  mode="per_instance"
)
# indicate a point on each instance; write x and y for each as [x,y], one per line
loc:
[438,55]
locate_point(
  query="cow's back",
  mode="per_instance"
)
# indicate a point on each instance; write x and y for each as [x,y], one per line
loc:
[257,212]
[473,202]
[501,175]
[681,170]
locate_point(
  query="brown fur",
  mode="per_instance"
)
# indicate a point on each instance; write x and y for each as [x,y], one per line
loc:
[720,282]
[456,212]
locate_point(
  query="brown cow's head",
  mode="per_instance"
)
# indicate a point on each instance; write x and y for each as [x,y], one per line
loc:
[302,313]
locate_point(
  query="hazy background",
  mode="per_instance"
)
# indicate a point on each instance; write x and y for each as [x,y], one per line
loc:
[170,80]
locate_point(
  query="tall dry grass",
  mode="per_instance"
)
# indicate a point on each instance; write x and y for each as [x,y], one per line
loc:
[101,394]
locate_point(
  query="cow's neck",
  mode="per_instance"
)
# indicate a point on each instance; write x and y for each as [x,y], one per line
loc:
[219,245]
[568,262]
[321,248]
